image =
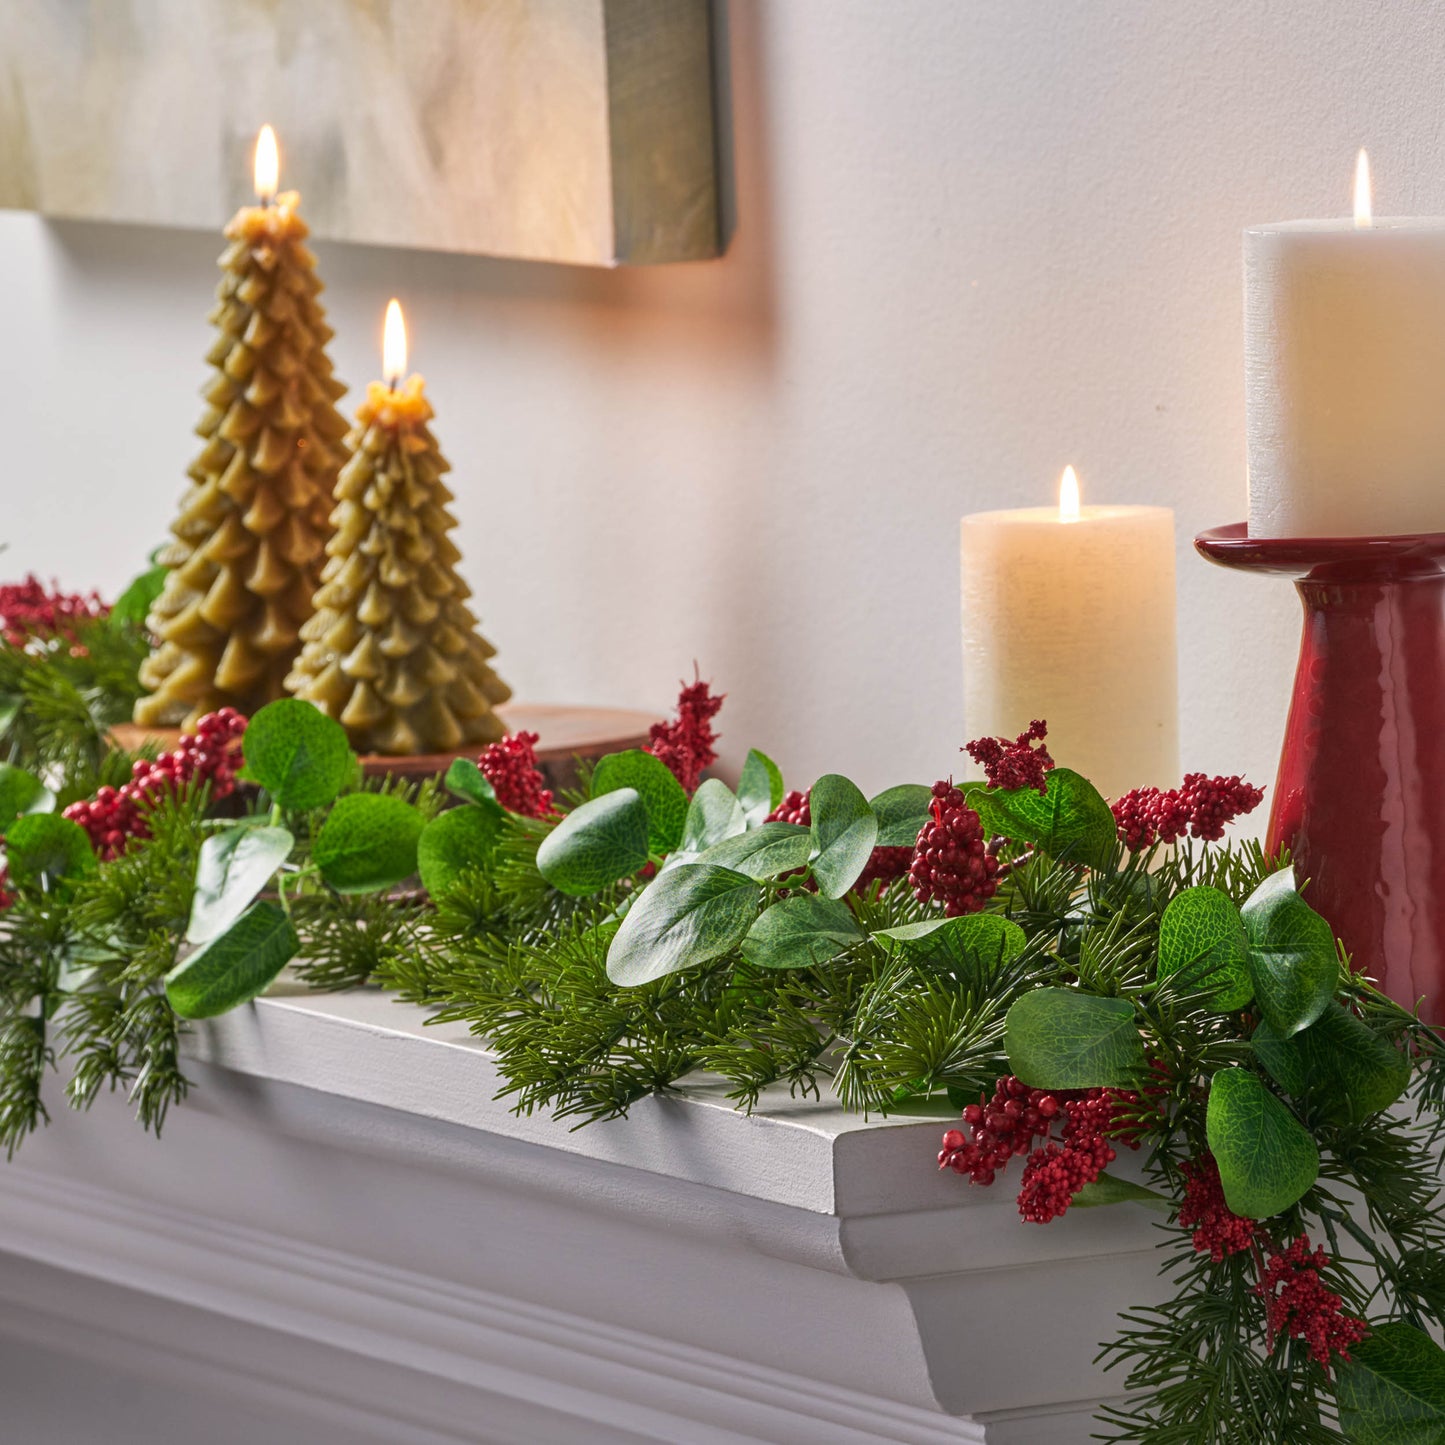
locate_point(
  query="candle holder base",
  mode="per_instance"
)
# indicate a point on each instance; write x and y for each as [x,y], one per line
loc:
[1360,796]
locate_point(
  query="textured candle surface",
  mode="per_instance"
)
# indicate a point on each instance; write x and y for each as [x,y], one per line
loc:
[1345,378]
[1073,622]
[248,544]
[392,651]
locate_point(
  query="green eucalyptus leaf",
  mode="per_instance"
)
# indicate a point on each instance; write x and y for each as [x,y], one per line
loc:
[234,866]
[45,845]
[760,788]
[713,815]
[802,929]
[597,844]
[235,966]
[845,832]
[1059,1038]
[133,605]
[465,780]
[1109,1189]
[687,916]
[1280,1057]
[1069,821]
[1202,935]
[767,851]
[1349,1069]
[661,792]
[454,841]
[1267,1159]
[21,793]
[973,948]
[902,813]
[298,754]
[368,842]
[1292,956]
[1391,1390]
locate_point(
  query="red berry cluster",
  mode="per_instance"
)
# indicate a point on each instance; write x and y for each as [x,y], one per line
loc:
[1299,1305]
[951,862]
[211,754]
[1004,1126]
[796,808]
[510,766]
[28,610]
[1218,1230]
[7,896]
[1201,808]
[1015,1117]
[1016,764]
[1056,1173]
[686,744]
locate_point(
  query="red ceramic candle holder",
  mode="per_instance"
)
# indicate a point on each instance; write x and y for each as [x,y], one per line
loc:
[1360,796]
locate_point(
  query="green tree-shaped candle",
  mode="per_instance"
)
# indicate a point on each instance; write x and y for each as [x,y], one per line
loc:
[249,544]
[392,651]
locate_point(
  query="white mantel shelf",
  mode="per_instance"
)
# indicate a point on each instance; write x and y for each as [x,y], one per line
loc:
[343,1236]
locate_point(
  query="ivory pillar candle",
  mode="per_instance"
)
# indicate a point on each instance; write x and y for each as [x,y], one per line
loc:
[1345,375]
[1068,615]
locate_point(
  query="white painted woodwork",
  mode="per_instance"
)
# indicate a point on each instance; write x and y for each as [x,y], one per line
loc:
[342,1236]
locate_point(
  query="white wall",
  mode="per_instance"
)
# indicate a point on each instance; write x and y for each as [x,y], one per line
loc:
[975,239]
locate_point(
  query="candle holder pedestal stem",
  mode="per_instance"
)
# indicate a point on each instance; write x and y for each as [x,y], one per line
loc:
[1360,796]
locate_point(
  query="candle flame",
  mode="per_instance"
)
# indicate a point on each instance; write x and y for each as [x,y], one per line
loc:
[268,165]
[1069,496]
[393,345]
[1363,218]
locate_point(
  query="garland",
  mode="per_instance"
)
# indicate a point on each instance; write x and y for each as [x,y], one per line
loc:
[1085,984]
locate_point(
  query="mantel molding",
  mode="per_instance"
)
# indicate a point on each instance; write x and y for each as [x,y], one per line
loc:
[343,1200]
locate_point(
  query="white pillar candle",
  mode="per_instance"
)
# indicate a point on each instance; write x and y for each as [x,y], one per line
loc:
[1344,336]
[1068,615]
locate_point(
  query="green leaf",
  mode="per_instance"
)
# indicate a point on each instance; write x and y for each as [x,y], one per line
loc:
[801,930]
[133,605]
[234,866]
[901,814]
[714,814]
[1349,1069]
[1391,1391]
[689,915]
[1069,821]
[368,842]
[1109,1189]
[845,832]
[9,711]
[1292,956]
[235,966]
[661,792]
[297,753]
[465,780]
[1280,1057]
[49,846]
[1059,1038]
[973,948]
[454,841]
[595,844]
[1267,1159]
[760,788]
[21,792]
[1202,933]
[767,851]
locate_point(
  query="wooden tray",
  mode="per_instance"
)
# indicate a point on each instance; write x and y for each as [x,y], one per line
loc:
[566,733]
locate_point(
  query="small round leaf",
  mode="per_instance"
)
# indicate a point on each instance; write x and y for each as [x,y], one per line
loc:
[599,843]
[21,793]
[298,754]
[47,845]
[368,842]
[661,792]
[454,841]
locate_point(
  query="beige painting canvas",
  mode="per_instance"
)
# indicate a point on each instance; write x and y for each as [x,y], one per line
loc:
[557,130]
